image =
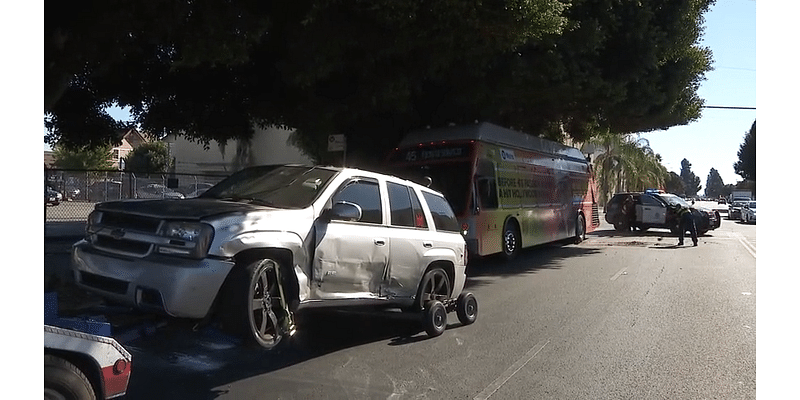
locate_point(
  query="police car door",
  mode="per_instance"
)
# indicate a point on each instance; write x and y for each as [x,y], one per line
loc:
[652,211]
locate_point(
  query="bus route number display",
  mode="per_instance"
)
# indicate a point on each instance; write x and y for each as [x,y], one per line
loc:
[436,153]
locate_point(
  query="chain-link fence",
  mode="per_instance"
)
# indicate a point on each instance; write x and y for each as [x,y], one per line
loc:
[70,195]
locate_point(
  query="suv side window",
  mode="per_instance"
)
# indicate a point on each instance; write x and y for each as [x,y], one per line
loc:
[443,217]
[405,207]
[650,201]
[366,194]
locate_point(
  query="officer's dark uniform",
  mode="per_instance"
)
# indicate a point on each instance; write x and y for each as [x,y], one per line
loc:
[686,222]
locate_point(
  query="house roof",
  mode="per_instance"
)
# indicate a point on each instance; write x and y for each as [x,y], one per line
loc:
[132,136]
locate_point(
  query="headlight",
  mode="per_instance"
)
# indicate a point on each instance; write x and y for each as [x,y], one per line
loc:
[94,219]
[190,239]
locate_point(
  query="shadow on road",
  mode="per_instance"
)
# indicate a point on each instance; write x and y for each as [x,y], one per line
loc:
[652,232]
[530,260]
[179,363]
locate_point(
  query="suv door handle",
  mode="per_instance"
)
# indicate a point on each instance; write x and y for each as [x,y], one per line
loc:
[427,244]
[380,242]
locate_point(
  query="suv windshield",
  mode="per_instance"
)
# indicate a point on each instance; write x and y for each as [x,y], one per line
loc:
[672,200]
[281,187]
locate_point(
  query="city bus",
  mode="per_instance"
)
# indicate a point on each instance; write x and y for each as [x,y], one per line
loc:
[508,189]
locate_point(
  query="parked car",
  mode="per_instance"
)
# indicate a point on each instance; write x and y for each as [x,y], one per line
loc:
[157,191]
[749,212]
[735,208]
[652,211]
[195,189]
[266,243]
[106,190]
[51,196]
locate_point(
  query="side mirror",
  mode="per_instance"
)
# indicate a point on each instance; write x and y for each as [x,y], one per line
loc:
[343,211]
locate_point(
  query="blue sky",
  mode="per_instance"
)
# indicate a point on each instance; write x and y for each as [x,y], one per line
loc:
[713,140]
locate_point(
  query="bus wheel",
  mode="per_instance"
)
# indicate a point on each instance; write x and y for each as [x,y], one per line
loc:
[511,241]
[580,228]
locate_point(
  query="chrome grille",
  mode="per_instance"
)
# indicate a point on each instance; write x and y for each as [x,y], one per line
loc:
[125,234]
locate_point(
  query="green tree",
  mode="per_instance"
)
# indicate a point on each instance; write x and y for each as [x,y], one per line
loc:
[148,158]
[84,158]
[691,183]
[674,184]
[715,187]
[372,69]
[746,166]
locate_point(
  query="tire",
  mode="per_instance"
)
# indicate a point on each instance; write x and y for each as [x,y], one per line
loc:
[64,380]
[252,306]
[620,226]
[580,229]
[435,285]
[510,240]
[435,318]
[466,308]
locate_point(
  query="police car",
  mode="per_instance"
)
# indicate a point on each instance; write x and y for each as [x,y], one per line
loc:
[653,209]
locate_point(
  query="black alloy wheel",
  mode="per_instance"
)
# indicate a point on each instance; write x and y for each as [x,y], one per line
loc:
[580,228]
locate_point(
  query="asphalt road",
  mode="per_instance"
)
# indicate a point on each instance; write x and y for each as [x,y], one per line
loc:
[617,316]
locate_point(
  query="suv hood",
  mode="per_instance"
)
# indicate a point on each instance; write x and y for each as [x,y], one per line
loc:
[703,209]
[186,209]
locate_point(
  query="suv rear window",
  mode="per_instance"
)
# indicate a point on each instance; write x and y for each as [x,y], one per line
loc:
[443,217]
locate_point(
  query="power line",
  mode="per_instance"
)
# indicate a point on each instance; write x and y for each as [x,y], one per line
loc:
[731,108]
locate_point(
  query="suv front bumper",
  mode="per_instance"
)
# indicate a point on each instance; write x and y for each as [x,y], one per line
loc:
[181,288]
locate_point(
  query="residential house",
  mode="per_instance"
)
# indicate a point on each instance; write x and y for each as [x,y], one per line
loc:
[131,139]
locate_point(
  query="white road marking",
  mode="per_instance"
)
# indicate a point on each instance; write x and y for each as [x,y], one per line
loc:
[747,246]
[621,272]
[511,371]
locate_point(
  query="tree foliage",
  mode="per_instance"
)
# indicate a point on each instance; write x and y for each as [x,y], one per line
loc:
[746,166]
[149,158]
[674,184]
[371,69]
[627,163]
[715,186]
[84,158]
[691,182]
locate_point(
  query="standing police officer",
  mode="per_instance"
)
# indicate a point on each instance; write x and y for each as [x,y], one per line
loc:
[686,222]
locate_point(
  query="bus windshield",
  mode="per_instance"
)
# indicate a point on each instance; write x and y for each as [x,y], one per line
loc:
[451,179]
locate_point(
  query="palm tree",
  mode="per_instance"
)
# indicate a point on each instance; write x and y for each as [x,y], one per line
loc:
[627,163]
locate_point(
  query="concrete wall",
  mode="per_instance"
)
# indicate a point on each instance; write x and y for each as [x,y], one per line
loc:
[268,146]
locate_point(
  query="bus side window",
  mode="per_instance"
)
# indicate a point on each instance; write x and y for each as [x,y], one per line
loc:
[486,185]
[487,192]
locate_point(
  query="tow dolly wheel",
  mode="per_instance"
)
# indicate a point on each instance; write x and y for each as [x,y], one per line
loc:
[467,308]
[435,318]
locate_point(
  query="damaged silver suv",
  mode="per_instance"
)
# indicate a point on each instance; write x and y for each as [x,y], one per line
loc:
[268,242]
